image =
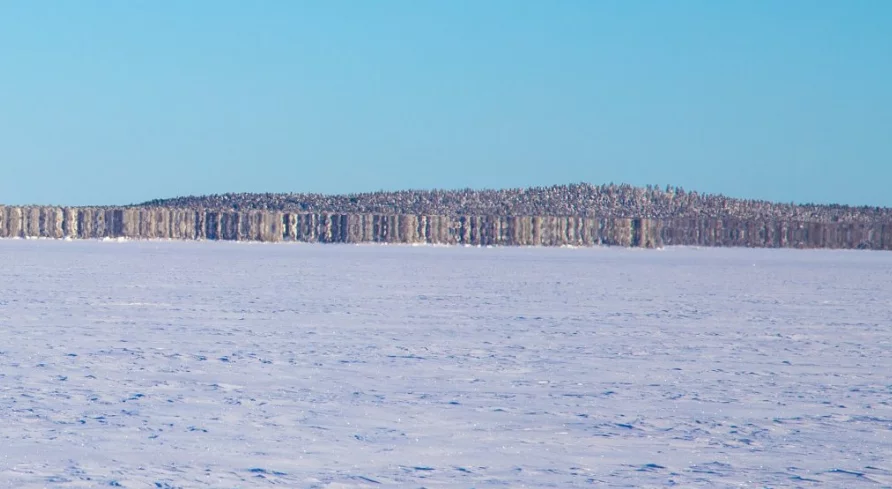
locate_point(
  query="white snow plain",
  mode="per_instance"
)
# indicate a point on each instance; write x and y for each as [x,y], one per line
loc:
[188,364]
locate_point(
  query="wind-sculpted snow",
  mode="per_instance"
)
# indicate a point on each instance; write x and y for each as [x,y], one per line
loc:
[190,364]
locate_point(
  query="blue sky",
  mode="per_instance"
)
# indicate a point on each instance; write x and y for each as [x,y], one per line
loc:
[113,102]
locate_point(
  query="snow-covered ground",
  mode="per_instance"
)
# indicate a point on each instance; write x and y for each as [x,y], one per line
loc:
[177,364]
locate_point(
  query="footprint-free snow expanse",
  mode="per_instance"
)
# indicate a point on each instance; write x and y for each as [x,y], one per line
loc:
[172,364]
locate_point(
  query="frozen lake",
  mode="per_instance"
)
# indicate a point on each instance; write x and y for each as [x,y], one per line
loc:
[156,364]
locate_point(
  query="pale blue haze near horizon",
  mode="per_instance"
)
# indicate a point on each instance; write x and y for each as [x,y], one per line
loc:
[107,102]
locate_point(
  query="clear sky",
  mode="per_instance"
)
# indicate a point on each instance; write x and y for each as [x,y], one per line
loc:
[113,102]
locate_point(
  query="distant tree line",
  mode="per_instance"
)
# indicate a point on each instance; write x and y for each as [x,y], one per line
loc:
[625,201]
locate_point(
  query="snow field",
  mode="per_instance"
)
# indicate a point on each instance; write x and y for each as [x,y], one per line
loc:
[172,364]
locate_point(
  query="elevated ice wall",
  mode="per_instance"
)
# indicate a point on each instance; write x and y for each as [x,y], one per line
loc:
[180,223]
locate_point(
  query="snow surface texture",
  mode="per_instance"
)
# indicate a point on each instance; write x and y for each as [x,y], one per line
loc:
[170,364]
